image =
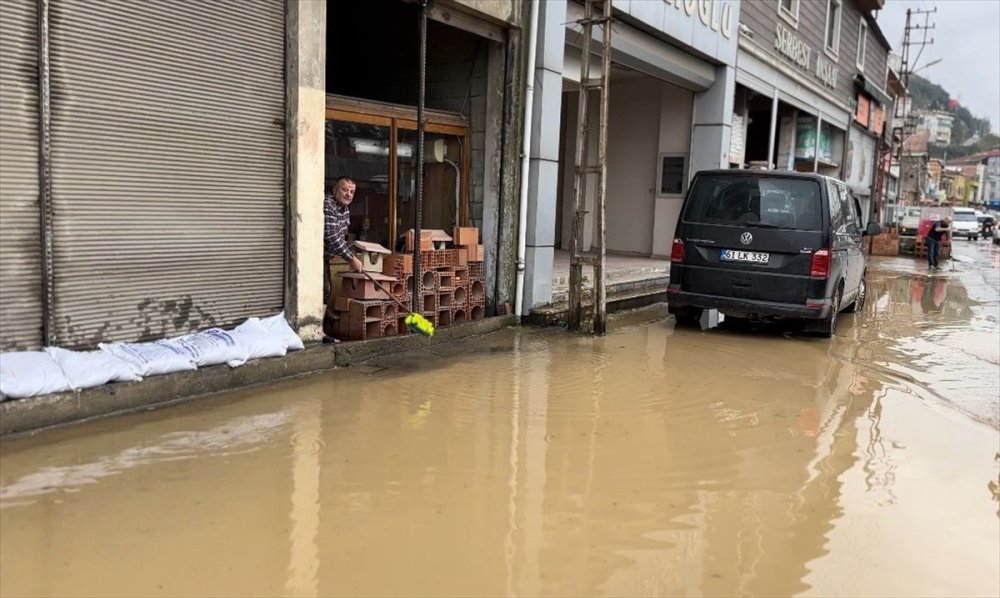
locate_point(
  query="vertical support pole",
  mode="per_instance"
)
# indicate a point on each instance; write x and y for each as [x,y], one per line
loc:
[418,207]
[393,183]
[772,161]
[600,306]
[579,183]
[819,129]
[45,173]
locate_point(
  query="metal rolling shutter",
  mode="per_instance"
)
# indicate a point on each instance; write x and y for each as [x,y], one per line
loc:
[20,243]
[168,166]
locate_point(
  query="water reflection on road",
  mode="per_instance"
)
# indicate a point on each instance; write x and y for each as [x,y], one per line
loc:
[653,461]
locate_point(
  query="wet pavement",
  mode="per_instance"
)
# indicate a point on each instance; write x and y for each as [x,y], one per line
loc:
[653,461]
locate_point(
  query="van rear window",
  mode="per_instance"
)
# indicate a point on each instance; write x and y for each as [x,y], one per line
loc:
[757,201]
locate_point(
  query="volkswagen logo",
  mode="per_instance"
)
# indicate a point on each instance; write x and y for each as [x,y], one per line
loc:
[746,238]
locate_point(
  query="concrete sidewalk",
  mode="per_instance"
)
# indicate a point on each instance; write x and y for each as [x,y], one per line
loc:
[21,416]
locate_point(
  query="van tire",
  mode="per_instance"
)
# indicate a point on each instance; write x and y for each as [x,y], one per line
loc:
[827,327]
[859,301]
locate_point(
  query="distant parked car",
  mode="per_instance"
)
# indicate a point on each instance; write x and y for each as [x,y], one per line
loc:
[769,245]
[965,224]
[909,222]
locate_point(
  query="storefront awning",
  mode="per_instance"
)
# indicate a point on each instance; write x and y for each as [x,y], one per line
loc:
[641,52]
[865,85]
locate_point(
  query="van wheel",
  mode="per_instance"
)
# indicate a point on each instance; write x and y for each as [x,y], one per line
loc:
[827,327]
[859,301]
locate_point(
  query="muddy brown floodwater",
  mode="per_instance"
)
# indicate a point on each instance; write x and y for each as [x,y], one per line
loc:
[653,461]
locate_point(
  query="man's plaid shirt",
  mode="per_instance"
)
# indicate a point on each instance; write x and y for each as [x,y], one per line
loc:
[336,218]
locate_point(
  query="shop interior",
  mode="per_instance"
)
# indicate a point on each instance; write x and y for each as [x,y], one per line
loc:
[372,91]
[795,144]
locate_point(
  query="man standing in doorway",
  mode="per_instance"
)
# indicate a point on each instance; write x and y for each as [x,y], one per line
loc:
[336,218]
[934,237]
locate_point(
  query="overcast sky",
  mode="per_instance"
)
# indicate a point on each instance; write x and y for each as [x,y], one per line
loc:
[966,38]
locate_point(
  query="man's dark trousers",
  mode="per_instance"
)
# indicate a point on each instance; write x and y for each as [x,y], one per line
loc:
[933,251]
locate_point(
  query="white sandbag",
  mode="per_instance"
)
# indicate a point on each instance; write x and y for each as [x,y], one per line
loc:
[278,326]
[256,341]
[150,359]
[210,347]
[86,369]
[30,374]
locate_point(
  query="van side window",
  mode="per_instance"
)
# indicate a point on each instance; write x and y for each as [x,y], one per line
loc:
[850,216]
[837,223]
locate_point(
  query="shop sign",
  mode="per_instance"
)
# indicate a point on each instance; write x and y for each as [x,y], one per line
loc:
[798,51]
[826,72]
[714,14]
[878,121]
[793,48]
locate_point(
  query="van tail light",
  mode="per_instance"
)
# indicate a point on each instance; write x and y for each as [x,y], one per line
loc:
[677,251]
[820,267]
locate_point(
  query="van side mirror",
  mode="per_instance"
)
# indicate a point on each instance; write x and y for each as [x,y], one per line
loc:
[872,229]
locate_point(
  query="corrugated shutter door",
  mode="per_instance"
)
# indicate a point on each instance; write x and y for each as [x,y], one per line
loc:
[168,166]
[20,239]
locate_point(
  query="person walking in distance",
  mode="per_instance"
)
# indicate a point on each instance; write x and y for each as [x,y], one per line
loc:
[939,228]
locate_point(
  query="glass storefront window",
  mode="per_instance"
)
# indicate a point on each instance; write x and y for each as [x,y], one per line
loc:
[376,145]
[361,151]
[442,180]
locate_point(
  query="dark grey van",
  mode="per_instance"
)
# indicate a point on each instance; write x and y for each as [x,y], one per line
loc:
[766,245]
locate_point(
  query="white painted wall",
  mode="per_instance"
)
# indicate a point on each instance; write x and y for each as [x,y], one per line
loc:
[647,117]
[675,116]
[633,139]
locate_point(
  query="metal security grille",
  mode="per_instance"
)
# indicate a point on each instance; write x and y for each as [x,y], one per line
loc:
[167,166]
[20,242]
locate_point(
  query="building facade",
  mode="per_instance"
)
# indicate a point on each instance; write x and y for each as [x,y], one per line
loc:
[811,92]
[671,91]
[162,164]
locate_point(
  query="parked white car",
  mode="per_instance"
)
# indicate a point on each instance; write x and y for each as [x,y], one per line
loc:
[909,221]
[966,224]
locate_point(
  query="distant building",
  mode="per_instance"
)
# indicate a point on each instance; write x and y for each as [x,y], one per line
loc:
[984,168]
[913,161]
[938,124]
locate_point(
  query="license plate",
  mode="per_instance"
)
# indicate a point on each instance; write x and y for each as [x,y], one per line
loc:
[752,257]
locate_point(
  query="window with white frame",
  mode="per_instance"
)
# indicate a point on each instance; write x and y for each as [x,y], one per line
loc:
[833,11]
[789,10]
[862,42]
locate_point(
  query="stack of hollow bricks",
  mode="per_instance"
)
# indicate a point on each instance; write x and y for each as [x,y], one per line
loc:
[452,288]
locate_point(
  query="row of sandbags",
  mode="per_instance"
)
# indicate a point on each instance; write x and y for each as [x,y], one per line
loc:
[32,373]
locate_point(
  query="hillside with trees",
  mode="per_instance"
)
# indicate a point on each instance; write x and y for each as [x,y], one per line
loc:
[927,95]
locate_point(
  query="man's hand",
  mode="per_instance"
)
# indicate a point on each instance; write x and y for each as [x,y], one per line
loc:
[356,264]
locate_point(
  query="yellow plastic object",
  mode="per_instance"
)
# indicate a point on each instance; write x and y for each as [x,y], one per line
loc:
[419,324]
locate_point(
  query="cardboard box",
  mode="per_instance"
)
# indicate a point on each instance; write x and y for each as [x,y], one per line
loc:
[337,265]
[426,240]
[480,253]
[466,236]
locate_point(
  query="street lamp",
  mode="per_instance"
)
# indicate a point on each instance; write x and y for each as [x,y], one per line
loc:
[928,65]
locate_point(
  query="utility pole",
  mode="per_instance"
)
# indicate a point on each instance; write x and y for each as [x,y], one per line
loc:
[907,122]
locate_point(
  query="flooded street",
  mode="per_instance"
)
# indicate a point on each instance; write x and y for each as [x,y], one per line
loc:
[653,461]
